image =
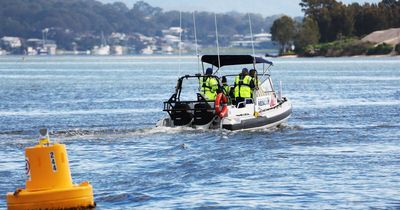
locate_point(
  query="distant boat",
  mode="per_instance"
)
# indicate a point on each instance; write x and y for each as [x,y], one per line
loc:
[167,49]
[3,52]
[103,49]
[147,51]
[43,51]
[271,55]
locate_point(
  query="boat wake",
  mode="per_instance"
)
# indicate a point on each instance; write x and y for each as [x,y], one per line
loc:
[96,134]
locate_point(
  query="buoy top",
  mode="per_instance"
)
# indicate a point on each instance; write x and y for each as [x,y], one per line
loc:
[44,138]
[48,180]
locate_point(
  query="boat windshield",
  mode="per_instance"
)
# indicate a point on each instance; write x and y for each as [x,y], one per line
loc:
[267,86]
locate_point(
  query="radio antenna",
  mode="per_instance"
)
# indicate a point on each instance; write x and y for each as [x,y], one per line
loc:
[195,40]
[251,34]
[180,41]
[216,36]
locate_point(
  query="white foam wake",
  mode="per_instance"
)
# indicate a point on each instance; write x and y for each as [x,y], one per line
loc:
[76,112]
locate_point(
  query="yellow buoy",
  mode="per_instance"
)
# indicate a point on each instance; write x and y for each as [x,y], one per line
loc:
[48,180]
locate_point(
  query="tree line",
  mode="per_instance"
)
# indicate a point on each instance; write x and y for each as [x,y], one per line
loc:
[79,18]
[330,20]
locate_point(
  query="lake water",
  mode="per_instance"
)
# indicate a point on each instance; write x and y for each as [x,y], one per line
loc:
[339,150]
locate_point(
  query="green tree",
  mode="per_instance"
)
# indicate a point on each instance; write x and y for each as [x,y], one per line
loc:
[397,49]
[308,34]
[334,18]
[283,31]
[369,19]
[320,11]
[381,49]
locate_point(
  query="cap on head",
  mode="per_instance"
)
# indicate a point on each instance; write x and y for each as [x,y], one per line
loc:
[245,71]
[209,71]
[252,72]
[223,79]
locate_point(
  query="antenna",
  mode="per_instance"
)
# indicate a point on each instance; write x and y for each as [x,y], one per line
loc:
[251,34]
[195,40]
[180,40]
[216,34]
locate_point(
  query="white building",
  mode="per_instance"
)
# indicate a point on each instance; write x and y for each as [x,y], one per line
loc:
[117,50]
[35,43]
[146,39]
[101,50]
[12,42]
[263,37]
[173,31]
[118,36]
[3,52]
[247,41]
[167,49]
[31,51]
[171,40]
[147,51]
[51,49]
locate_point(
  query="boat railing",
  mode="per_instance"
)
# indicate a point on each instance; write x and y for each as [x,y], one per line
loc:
[242,104]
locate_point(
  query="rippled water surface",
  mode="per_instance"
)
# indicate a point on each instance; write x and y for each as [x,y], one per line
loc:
[339,150]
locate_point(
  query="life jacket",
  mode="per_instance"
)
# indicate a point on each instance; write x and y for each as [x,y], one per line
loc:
[255,80]
[242,86]
[227,89]
[209,87]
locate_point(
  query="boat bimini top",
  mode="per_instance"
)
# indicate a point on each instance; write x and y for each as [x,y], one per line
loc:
[219,61]
[227,60]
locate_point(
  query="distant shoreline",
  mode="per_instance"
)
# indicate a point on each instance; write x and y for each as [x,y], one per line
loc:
[354,56]
[186,57]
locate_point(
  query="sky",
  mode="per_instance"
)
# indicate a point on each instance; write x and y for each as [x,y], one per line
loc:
[263,7]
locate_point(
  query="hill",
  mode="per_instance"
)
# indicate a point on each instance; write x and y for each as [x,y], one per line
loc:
[390,36]
[77,21]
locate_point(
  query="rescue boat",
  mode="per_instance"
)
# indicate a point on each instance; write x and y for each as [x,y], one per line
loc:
[266,108]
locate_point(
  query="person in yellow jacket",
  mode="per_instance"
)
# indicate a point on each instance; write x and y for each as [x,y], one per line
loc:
[227,90]
[243,86]
[209,85]
[225,86]
[254,78]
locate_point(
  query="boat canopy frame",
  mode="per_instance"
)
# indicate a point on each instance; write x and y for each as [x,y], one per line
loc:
[228,60]
[175,99]
[178,88]
[219,61]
